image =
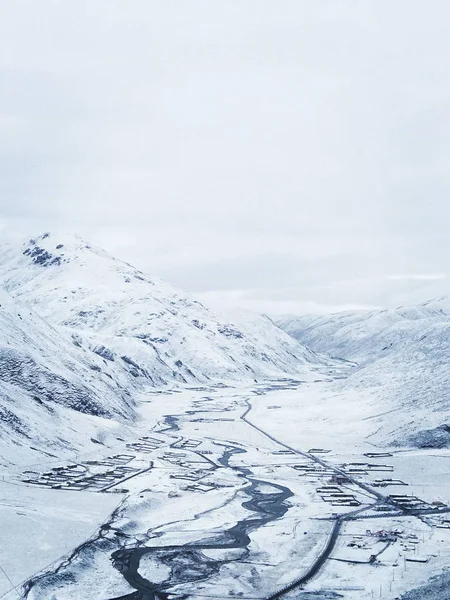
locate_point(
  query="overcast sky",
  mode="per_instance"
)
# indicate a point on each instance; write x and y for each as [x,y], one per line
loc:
[281,155]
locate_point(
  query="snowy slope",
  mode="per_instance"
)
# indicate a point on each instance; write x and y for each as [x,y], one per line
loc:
[147,332]
[403,358]
[47,384]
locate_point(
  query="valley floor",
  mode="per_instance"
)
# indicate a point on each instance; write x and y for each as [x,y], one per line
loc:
[230,492]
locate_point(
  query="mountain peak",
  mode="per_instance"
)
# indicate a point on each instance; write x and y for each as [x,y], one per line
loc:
[51,249]
[67,261]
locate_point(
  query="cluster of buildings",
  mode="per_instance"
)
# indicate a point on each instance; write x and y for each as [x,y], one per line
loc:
[146,444]
[336,497]
[96,475]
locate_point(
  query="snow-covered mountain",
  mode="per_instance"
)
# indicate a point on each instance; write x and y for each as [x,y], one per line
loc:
[357,335]
[403,360]
[145,331]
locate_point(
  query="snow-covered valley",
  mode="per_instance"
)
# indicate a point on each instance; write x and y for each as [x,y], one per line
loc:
[401,359]
[236,492]
[152,449]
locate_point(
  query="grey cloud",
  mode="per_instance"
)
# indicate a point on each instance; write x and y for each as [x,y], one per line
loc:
[236,147]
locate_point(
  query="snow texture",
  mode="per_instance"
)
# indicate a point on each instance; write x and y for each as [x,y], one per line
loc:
[401,357]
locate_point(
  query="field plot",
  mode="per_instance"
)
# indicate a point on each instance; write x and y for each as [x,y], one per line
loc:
[39,526]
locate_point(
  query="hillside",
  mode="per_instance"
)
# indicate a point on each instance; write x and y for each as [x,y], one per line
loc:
[402,358]
[48,385]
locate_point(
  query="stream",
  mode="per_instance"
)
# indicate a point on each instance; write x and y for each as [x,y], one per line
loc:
[186,562]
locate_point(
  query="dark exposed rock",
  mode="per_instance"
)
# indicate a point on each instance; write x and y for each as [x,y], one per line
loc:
[104,352]
[8,417]
[40,256]
[230,332]
[439,437]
